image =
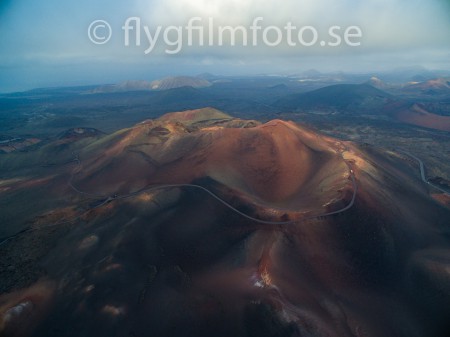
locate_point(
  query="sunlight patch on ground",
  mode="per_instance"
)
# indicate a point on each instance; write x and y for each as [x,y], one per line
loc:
[359,162]
[113,310]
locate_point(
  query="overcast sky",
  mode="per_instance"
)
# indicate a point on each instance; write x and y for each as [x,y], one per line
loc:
[45,43]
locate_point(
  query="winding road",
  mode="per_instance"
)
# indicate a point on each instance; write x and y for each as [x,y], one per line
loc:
[422,171]
[107,199]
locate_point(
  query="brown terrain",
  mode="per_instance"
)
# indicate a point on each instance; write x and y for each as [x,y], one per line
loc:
[199,224]
[18,144]
[418,115]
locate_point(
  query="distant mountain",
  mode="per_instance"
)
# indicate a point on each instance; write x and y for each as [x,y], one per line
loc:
[439,86]
[417,114]
[343,98]
[124,87]
[178,82]
[377,83]
[408,74]
[363,99]
[162,84]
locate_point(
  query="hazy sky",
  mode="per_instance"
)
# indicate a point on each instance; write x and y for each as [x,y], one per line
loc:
[45,43]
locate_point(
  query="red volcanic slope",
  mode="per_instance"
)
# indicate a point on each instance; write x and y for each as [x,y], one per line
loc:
[278,163]
[177,262]
[419,116]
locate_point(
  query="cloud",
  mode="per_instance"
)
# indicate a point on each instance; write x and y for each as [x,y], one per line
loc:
[53,33]
[387,24]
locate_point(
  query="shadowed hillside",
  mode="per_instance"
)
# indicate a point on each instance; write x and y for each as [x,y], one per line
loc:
[199,224]
[362,100]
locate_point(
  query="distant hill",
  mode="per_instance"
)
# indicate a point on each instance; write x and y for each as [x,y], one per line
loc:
[343,98]
[180,81]
[162,84]
[363,99]
[124,87]
[377,83]
[439,86]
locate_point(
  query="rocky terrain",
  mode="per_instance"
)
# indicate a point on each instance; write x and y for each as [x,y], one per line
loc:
[200,224]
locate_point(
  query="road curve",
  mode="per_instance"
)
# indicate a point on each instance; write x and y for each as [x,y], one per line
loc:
[108,199]
[422,171]
[225,203]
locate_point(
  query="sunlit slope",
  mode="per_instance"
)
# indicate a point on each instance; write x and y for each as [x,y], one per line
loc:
[277,162]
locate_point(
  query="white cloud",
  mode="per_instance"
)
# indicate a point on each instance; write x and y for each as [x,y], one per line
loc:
[385,23]
[395,32]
